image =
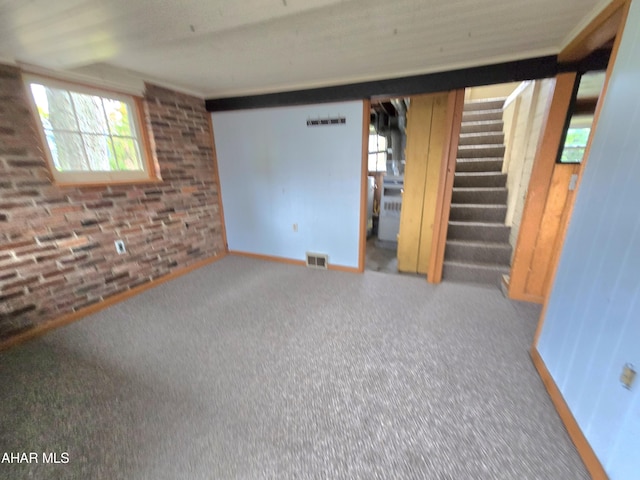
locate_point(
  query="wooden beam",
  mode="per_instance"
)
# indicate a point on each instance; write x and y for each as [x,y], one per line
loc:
[540,182]
[595,35]
[419,121]
[585,106]
[438,141]
[455,106]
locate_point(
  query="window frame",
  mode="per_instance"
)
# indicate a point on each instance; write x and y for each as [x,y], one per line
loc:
[149,172]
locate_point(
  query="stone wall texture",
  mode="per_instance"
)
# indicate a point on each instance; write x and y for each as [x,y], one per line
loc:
[57,252]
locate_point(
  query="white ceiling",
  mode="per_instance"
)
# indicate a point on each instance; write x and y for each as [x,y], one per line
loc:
[221,48]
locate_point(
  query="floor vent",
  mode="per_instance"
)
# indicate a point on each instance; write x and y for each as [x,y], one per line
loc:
[317,260]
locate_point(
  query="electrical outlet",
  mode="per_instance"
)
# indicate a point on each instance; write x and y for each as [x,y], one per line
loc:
[295,227]
[628,376]
[120,248]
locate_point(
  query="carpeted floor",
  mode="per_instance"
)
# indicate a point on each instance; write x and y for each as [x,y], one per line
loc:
[254,370]
[381,259]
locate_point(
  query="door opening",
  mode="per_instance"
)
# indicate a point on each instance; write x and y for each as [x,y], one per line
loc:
[386,161]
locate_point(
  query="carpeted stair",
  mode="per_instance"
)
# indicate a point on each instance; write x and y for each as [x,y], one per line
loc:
[478,248]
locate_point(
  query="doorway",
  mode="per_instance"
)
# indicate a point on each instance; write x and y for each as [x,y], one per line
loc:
[386,162]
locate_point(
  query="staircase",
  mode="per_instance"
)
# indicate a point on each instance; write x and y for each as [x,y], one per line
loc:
[478,248]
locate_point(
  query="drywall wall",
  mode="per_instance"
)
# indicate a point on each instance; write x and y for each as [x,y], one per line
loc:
[592,325]
[277,172]
[56,243]
[527,114]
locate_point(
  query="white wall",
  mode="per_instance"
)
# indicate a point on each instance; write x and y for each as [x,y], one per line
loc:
[275,172]
[592,325]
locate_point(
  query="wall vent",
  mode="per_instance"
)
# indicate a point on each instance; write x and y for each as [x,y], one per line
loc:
[326,121]
[317,260]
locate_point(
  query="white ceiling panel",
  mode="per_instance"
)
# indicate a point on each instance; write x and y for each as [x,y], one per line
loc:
[232,47]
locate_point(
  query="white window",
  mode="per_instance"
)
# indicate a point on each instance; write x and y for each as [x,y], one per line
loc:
[92,136]
[377,152]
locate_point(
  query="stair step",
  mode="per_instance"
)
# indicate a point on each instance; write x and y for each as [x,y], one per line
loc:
[474,272]
[481,151]
[479,179]
[481,126]
[481,138]
[473,212]
[484,104]
[488,164]
[478,252]
[491,195]
[482,115]
[478,231]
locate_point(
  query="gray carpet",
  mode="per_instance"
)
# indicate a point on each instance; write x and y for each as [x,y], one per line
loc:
[255,370]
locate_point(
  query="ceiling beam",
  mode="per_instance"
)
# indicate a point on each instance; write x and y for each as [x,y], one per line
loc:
[529,69]
[539,67]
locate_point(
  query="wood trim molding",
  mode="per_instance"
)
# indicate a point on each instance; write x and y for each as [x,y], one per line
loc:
[68,318]
[342,268]
[526,297]
[588,456]
[268,258]
[362,244]
[291,261]
[540,181]
[216,179]
[596,34]
[585,160]
[445,185]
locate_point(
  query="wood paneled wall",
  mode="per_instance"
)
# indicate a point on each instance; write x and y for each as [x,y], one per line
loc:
[546,207]
[426,132]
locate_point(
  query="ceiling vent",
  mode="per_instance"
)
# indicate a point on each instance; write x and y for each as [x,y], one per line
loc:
[317,260]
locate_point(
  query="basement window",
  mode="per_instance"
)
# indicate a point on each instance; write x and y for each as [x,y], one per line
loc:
[92,136]
[377,152]
[576,138]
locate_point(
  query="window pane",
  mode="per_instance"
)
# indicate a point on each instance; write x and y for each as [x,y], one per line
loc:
[89,134]
[377,143]
[90,113]
[372,165]
[100,152]
[60,111]
[127,153]
[118,115]
[572,154]
[70,151]
[377,162]
[575,145]
[51,141]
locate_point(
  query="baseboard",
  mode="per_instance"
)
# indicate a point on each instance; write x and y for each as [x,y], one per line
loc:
[291,261]
[585,451]
[525,297]
[342,268]
[68,318]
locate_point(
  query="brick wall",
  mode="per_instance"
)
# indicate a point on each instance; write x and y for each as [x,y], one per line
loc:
[57,251]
